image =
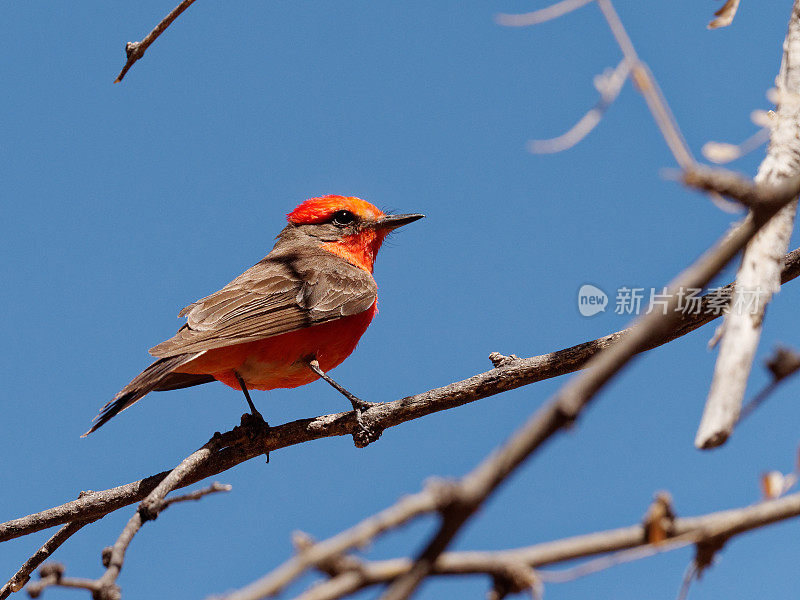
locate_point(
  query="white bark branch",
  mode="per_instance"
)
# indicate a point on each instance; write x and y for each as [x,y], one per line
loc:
[759,274]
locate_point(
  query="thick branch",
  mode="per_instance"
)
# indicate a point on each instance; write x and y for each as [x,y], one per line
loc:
[238,447]
[759,274]
[753,194]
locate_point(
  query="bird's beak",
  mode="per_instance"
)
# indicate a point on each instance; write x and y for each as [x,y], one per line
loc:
[390,222]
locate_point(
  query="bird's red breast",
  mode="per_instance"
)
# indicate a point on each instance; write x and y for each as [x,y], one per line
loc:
[281,361]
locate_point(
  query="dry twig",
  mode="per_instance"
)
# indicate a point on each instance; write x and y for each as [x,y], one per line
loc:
[136,50]
[105,588]
[631,65]
[23,575]
[349,574]
[783,363]
[559,9]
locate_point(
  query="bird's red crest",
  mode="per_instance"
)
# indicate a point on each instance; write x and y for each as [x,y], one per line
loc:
[321,209]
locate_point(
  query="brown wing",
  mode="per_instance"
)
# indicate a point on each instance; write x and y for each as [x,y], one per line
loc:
[286,291]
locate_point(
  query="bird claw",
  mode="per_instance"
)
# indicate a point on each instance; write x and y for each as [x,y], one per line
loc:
[254,426]
[364,435]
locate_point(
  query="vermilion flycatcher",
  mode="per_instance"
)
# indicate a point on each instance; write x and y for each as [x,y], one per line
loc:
[285,321]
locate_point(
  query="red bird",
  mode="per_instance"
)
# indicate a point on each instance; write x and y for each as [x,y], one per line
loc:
[285,321]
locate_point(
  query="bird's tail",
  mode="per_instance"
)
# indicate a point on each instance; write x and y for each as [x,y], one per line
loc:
[159,376]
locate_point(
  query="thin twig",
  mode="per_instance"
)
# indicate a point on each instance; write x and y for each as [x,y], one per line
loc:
[612,85]
[648,86]
[721,153]
[149,509]
[237,446]
[640,72]
[686,582]
[758,196]
[214,488]
[105,588]
[559,9]
[136,50]
[52,575]
[783,364]
[21,577]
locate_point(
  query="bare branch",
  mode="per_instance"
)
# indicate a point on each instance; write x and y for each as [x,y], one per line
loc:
[238,445]
[648,87]
[559,9]
[609,85]
[782,364]
[753,194]
[720,153]
[214,488]
[135,50]
[456,502]
[105,588]
[350,574]
[151,506]
[758,277]
[643,78]
[52,575]
[23,575]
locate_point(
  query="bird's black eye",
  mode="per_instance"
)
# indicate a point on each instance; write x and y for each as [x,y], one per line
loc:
[343,218]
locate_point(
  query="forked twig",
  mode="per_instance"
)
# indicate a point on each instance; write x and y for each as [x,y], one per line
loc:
[136,50]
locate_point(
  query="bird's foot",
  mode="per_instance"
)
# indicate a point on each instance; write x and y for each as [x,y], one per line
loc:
[255,426]
[364,434]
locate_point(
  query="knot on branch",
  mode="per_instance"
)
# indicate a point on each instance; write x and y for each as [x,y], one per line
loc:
[341,563]
[49,574]
[448,496]
[134,51]
[659,520]
[783,363]
[109,591]
[501,360]
[705,552]
[514,579]
[568,407]
[301,541]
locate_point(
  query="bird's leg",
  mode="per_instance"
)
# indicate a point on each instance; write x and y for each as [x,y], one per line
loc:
[365,435]
[253,410]
[358,403]
[256,415]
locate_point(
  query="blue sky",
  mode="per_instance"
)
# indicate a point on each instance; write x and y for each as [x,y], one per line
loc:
[125,202]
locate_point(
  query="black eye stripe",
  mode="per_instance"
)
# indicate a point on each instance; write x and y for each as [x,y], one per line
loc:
[343,217]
